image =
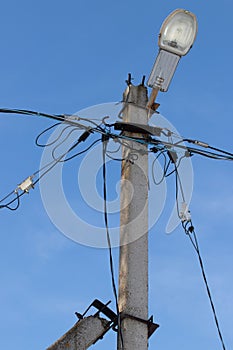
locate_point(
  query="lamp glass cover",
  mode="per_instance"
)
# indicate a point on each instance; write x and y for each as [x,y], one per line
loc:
[178,32]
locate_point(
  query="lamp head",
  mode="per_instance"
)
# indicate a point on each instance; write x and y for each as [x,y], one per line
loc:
[178,32]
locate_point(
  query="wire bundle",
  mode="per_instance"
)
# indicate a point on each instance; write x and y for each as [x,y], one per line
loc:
[160,144]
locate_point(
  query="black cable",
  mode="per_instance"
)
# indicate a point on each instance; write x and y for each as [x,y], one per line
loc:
[206,145]
[99,128]
[104,148]
[220,150]
[117,159]
[106,225]
[44,131]
[209,154]
[17,205]
[193,150]
[28,112]
[194,242]
[49,167]
[59,160]
[64,140]
[46,171]
[77,154]
[164,168]
[115,151]
[189,229]
[7,205]
[8,195]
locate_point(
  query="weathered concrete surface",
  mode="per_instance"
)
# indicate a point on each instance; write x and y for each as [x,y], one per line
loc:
[82,335]
[133,269]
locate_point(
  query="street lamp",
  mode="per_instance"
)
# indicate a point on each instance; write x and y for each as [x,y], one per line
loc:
[176,38]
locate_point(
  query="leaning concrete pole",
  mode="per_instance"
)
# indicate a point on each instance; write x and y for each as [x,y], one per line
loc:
[83,334]
[133,267]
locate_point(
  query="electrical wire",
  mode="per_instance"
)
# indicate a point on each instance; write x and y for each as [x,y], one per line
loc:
[191,231]
[98,126]
[29,112]
[164,168]
[47,129]
[117,159]
[72,120]
[63,141]
[192,150]
[125,140]
[54,162]
[206,145]
[77,154]
[166,165]
[49,166]
[104,149]
[220,150]
[116,150]
[7,196]
[12,201]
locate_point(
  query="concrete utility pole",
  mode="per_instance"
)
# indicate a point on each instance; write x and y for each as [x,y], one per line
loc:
[133,268]
[82,335]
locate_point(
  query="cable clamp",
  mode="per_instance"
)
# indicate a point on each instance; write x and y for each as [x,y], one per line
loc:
[73,117]
[185,215]
[201,144]
[26,185]
[151,326]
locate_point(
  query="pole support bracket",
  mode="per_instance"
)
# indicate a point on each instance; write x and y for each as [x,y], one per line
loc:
[151,326]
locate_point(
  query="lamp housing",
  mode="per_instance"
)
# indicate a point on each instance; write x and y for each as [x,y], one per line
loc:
[163,70]
[178,32]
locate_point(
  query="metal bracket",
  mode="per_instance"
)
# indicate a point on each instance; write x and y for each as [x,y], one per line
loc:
[104,309]
[151,326]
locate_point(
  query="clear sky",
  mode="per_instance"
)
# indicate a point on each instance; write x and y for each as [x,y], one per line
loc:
[61,57]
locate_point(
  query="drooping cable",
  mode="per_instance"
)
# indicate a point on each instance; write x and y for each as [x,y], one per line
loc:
[46,130]
[59,160]
[163,146]
[165,167]
[101,128]
[104,149]
[64,140]
[7,196]
[189,230]
[17,199]
[43,171]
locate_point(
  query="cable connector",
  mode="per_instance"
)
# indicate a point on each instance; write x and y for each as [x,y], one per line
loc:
[197,142]
[172,156]
[201,144]
[85,135]
[105,137]
[26,185]
[185,215]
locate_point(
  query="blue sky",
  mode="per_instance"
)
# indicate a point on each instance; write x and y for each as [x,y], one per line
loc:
[61,57]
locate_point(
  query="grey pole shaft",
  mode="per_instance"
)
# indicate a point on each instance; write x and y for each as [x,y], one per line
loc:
[133,267]
[82,335]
